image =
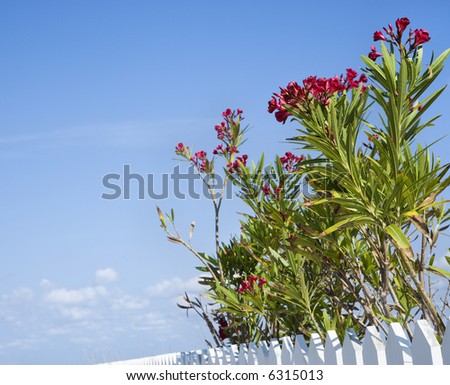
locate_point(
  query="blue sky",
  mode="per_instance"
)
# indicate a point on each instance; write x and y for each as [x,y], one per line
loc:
[88,87]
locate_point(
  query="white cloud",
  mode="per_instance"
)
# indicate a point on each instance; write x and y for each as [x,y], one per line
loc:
[128,302]
[83,295]
[174,287]
[76,313]
[22,294]
[107,275]
[45,284]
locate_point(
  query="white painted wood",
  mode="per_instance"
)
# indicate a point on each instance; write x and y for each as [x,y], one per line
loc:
[234,352]
[300,354]
[425,348]
[316,351]
[252,354]
[262,353]
[287,351]
[274,353]
[333,349]
[242,356]
[398,346]
[446,346]
[374,349]
[352,350]
[226,355]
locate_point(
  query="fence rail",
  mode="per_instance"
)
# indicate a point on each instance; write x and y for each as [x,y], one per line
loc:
[395,349]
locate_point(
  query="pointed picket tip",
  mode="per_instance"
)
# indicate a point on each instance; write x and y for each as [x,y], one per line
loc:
[352,350]
[287,351]
[242,356]
[425,348]
[262,353]
[251,354]
[446,346]
[234,352]
[300,355]
[274,353]
[374,349]
[398,346]
[316,353]
[333,349]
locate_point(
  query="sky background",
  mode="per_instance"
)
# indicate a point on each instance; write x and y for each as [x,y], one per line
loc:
[88,87]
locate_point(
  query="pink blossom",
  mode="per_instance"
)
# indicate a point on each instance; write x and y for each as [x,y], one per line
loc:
[420,36]
[378,35]
[374,54]
[401,25]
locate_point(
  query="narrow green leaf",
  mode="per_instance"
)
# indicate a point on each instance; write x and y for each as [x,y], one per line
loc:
[400,240]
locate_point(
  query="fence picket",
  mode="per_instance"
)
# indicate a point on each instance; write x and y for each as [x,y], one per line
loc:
[446,346]
[252,354]
[333,349]
[274,353]
[242,356]
[425,348]
[396,349]
[262,353]
[352,349]
[374,349]
[398,346]
[316,351]
[287,351]
[300,351]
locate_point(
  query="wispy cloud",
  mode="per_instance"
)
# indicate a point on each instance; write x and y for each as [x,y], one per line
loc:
[101,315]
[134,134]
[174,286]
[104,276]
[76,296]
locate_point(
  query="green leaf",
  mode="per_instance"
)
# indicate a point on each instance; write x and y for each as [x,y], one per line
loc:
[348,222]
[438,271]
[400,240]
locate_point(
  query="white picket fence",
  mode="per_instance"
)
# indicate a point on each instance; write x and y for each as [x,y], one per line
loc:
[395,349]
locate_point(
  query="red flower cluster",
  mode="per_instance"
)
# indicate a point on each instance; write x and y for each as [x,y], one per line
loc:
[291,161]
[373,54]
[199,160]
[224,128]
[234,166]
[223,324]
[416,37]
[266,190]
[181,149]
[314,88]
[420,36]
[248,284]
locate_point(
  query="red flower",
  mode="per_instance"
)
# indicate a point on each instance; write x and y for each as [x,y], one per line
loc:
[245,285]
[374,54]
[351,74]
[266,190]
[401,25]
[375,136]
[253,278]
[223,324]
[232,149]
[262,281]
[218,150]
[200,154]
[234,166]
[181,149]
[378,35]
[420,36]
[226,113]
